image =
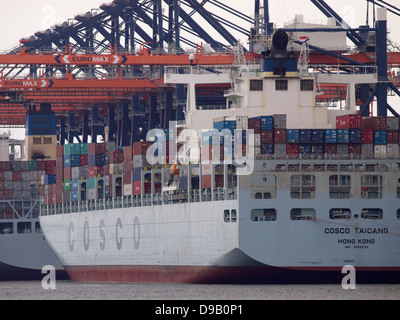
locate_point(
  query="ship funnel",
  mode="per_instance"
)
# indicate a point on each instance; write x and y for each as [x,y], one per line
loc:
[280,41]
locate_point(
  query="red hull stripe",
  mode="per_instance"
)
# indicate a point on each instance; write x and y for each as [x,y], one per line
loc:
[210,274]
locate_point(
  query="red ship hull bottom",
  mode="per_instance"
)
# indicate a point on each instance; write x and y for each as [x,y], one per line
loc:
[227,275]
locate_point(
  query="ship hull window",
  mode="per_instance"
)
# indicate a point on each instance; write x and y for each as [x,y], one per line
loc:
[302,214]
[258,215]
[372,213]
[6,228]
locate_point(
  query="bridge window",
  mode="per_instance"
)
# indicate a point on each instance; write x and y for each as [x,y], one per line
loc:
[302,214]
[281,85]
[256,85]
[263,215]
[307,85]
[398,214]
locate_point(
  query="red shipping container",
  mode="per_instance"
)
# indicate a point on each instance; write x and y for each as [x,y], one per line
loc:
[59,151]
[355,149]
[17,176]
[292,149]
[128,165]
[137,187]
[206,181]
[140,148]
[280,135]
[255,125]
[94,148]
[267,136]
[330,148]
[59,197]
[127,177]
[60,162]
[349,121]
[59,174]
[59,186]
[116,156]
[6,166]
[67,173]
[367,136]
[84,158]
[1,176]
[1,184]
[128,153]
[41,166]
[380,123]
[392,136]
[8,194]
[219,181]
[368,123]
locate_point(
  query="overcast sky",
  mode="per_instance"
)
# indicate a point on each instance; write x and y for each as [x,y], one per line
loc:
[22,18]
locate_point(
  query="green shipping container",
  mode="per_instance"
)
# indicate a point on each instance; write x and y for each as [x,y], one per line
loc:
[84,148]
[92,183]
[72,149]
[67,185]
[32,165]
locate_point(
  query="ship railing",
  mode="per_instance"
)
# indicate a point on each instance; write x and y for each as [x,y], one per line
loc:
[143,200]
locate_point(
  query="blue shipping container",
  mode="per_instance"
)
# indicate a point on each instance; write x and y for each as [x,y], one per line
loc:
[330,136]
[50,179]
[221,125]
[75,195]
[317,149]
[305,136]
[292,135]
[267,148]
[75,185]
[96,160]
[342,135]
[305,149]
[267,123]
[355,136]
[380,137]
[318,136]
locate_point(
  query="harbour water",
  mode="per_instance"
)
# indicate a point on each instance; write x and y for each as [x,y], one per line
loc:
[67,290]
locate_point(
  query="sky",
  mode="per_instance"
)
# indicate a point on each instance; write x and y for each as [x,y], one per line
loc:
[22,18]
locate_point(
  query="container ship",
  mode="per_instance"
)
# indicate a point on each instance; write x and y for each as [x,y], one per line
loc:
[24,250]
[272,188]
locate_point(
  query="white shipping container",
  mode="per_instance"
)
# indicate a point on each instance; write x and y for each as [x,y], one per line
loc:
[242,122]
[280,149]
[380,151]
[8,176]
[92,194]
[128,189]
[17,185]
[392,150]
[257,140]
[393,123]
[106,180]
[34,175]
[367,150]
[26,176]
[75,172]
